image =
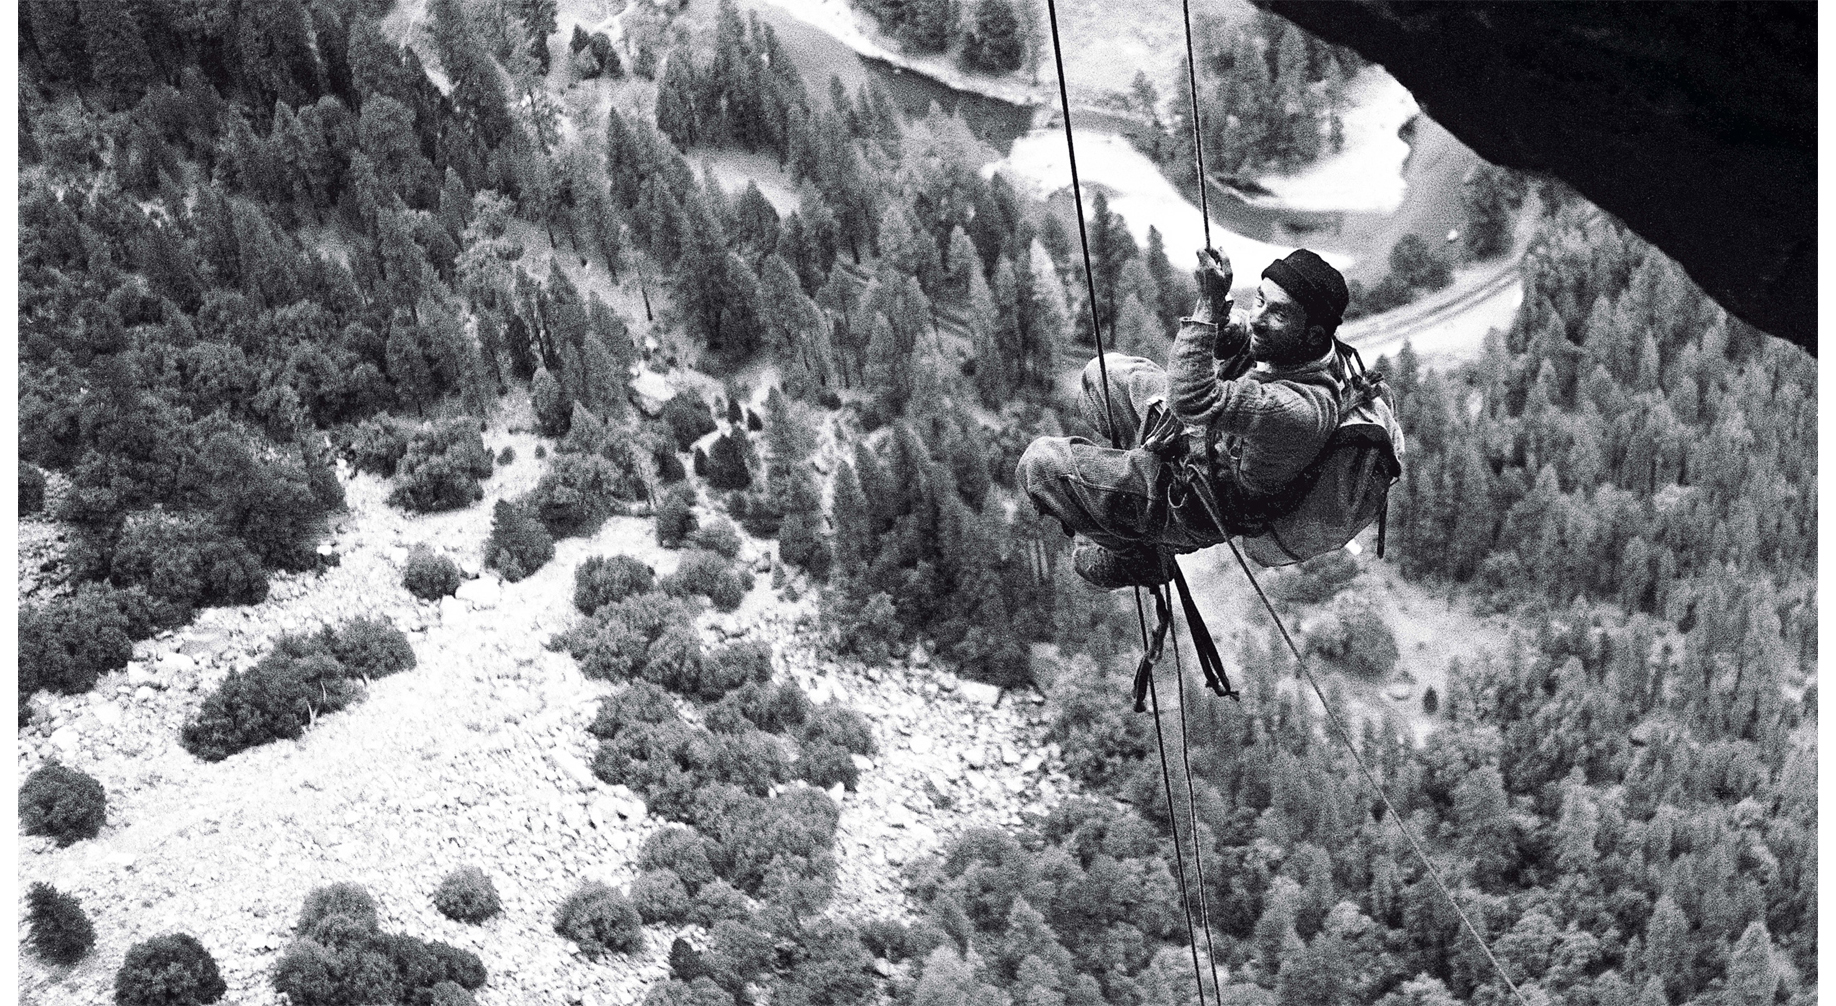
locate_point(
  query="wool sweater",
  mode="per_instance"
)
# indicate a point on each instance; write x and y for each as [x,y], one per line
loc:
[1271,422]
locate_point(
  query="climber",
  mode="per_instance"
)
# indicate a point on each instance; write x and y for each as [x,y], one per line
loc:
[1263,382]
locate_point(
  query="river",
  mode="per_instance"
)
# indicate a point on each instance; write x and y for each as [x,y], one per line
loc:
[1432,173]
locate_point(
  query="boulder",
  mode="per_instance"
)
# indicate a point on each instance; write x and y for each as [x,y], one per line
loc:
[980,693]
[484,592]
[574,770]
[650,391]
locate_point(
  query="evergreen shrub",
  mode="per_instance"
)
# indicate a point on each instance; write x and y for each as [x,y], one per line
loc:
[1355,637]
[346,899]
[66,643]
[60,930]
[441,468]
[774,709]
[726,464]
[659,896]
[675,658]
[184,562]
[717,901]
[429,575]
[578,493]
[679,851]
[367,648]
[467,895]
[676,516]
[519,544]
[887,938]
[838,725]
[274,700]
[600,920]
[31,489]
[506,456]
[615,643]
[171,970]
[605,579]
[718,536]
[63,803]
[449,993]
[734,666]
[795,830]
[802,545]
[688,419]
[706,573]
[639,702]
[669,466]
[376,445]
[341,958]
[824,764]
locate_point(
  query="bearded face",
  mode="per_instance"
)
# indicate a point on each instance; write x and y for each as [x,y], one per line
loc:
[1279,333]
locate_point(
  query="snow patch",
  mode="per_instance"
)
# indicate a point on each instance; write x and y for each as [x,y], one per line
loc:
[1141,194]
[1366,176]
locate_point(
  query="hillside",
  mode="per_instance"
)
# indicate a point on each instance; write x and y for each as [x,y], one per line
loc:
[589,456]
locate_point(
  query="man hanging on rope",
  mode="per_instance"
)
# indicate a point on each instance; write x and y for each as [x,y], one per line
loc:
[1250,398]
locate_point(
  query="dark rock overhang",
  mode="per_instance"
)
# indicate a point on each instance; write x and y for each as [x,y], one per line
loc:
[1694,123]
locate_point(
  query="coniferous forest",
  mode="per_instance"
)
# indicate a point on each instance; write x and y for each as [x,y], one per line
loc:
[256,239]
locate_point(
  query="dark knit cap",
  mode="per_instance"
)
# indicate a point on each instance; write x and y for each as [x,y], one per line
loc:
[1314,285]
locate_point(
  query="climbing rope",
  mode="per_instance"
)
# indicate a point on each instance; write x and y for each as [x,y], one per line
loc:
[1370,780]
[1163,612]
[1198,139]
[1185,757]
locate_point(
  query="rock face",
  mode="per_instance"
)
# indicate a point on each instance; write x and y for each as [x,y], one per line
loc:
[1694,124]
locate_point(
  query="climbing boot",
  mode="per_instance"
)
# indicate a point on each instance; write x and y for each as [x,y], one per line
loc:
[1139,566]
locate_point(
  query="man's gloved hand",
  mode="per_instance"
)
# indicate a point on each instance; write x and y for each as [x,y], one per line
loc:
[1214,277]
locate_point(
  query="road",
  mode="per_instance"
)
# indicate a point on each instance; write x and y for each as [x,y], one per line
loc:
[1447,327]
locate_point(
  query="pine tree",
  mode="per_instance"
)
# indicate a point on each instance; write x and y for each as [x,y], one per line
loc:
[675,112]
[1669,958]
[964,262]
[57,30]
[995,46]
[888,369]
[408,369]
[792,324]
[1753,979]
[274,48]
[994,379]
[726,463]
[1047,316]
[738,331]
[553,411]
[1136,332]
[117,54]
[1111,248]
[1176,290]
[856,544]
[1481,815]
[755,223]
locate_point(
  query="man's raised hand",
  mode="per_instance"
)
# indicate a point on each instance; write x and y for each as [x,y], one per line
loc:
[1214,281]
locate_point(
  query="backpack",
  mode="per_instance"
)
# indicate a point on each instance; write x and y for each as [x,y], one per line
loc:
[1347,485]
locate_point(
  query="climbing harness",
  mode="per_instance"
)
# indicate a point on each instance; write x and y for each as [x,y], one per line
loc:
[1163,613]
[1153,646]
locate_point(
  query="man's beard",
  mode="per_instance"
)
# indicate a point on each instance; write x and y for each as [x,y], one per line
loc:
[1279,348]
